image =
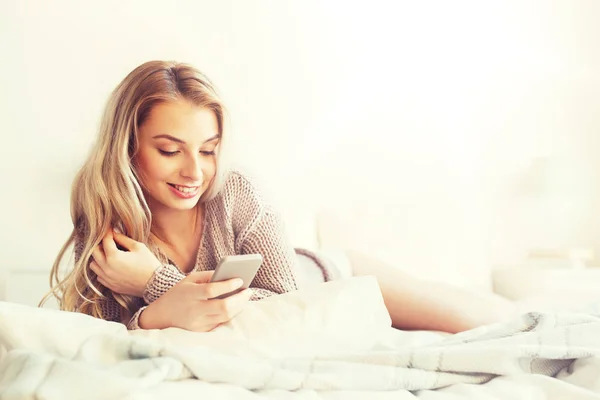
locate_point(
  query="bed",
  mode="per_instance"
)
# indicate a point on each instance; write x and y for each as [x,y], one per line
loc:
[328,341]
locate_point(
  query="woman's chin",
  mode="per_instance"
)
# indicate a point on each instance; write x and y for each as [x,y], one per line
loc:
[184,205]
[177,205]
[169,201]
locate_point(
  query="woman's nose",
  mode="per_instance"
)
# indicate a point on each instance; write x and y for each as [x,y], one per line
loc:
[192,169]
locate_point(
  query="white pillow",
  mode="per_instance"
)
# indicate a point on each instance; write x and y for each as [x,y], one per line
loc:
[336,317]
[326,319]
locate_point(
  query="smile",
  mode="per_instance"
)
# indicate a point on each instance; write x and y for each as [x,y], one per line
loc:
[184,191]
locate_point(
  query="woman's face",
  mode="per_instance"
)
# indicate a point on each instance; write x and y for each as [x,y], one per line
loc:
[176,158]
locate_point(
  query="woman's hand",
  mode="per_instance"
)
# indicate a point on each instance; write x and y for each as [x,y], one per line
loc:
[191,304]
[124,272]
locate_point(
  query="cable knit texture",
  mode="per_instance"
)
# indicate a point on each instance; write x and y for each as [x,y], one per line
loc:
[236,221]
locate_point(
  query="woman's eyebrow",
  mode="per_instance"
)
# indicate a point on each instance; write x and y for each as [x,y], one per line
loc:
[172,138]
[217,136]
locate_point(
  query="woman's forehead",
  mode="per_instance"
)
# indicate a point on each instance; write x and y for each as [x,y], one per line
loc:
[182,120]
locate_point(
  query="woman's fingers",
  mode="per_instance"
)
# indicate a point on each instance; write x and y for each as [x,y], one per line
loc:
[98,255]
[100,274]
[211,290]
[199,276]
[187,305]
[125,241]
[223,310]
[97,269]
[108,244]
[103,282]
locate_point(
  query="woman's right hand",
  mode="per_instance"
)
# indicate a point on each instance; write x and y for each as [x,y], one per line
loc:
[191,304]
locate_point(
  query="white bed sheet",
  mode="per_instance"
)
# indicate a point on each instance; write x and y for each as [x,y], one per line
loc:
[332,341]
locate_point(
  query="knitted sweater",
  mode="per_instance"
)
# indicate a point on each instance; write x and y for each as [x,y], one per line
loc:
[236,221]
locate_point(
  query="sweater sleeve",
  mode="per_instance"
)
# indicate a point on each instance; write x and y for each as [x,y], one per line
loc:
[261,230]
[163,279]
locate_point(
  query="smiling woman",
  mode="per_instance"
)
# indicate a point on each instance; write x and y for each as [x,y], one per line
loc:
[155,209]
[168,164]
[154,203]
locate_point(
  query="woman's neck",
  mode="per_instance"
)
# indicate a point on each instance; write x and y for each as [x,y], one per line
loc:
[172,226]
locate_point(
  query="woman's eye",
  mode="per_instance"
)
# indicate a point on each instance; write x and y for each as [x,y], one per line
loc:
[207,153]
[167,153]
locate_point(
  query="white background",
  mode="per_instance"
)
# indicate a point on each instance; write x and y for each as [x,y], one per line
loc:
[463,133]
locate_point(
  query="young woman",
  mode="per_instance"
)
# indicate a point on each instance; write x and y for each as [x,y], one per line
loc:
[155,207]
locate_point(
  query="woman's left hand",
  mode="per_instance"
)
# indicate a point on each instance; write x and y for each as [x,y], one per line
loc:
[124,272]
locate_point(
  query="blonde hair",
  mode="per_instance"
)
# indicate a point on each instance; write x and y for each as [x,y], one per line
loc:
[107,193]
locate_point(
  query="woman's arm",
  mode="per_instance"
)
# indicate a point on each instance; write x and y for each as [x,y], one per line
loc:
[134,271]
[110,309]
[277,272]
[260,230]
[191,305]
[164,278]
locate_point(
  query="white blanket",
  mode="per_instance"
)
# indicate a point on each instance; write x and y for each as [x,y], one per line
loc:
[328,341]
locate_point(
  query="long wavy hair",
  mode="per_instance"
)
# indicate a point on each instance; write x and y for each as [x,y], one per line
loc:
[107,193]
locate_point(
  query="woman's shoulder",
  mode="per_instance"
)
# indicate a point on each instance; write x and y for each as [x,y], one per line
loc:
[240,184]
[240,194]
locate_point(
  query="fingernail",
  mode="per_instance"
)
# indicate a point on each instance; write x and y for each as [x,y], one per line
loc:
[238,282]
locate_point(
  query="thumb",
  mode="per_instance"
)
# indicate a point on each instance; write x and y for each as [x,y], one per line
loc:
[123,240]
[199,277]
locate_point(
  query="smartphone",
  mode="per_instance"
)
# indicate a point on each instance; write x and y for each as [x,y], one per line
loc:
[243,266]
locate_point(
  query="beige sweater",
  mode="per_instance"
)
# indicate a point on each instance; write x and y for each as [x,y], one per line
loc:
[236,221]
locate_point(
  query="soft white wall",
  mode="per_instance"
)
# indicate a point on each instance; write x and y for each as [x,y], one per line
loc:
[422,116]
